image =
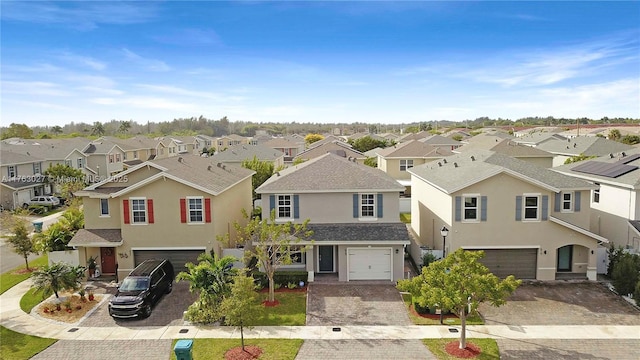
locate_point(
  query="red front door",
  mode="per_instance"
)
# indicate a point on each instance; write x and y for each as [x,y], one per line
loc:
[108,260]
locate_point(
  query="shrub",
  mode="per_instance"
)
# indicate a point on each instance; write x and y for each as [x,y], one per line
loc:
[625,274]
[281,277]
[277,286]
[419,308]
[636,294]
[428,258]
[614,257]
[291,285]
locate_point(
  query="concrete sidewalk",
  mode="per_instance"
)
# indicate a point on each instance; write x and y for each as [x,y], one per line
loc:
[12,317]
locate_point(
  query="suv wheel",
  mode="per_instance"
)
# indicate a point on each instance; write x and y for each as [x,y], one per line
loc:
[146,311]
[170,288]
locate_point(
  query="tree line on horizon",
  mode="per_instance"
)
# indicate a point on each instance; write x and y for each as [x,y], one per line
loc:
[224,126]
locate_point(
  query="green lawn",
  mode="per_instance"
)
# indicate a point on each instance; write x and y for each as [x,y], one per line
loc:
[419,320]
[291,311]
[19,346]
[405,218]
[30,299]
[489,348]
[274,349]
[11,278]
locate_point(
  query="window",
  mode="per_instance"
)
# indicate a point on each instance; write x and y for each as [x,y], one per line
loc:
[104,207]
[110,158]
[135,154]
[567,202]
[68,163]
[80,163]
[11,171]
[284,205]
[117,157]
[531,207]
[596,193]
[124,156]
[470,208]
[297,256]
[367,205]
[406,164]
[36,167]
[139,211]
[196,210]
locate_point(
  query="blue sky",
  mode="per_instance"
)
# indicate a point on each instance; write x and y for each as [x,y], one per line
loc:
[373,62]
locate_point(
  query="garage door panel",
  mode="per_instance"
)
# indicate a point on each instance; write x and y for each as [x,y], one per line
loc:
[369,264]
[522,263]
[177,257]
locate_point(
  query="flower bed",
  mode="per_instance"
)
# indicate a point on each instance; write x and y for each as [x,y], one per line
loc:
[70,309]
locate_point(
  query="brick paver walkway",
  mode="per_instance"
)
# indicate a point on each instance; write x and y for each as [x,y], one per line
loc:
[106,350]
[569,349]
[363,349]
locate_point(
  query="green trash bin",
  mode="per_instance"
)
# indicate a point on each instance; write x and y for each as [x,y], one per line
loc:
[183,349]
[37,225]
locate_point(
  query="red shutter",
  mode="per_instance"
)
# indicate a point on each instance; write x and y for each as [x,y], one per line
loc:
[183,211]
[207,210]
[150,206]
[125,211]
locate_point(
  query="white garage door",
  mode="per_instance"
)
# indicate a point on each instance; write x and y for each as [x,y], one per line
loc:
[369,264]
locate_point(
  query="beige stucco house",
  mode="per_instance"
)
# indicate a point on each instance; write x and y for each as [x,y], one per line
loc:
[531,222]
[170,208]
[353,212]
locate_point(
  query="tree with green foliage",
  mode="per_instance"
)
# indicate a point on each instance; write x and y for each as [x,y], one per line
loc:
[57,277]
[17,131]
[614,134]
[66,179]
[97,129]
[57,236]
[264,170]
[311,138]
[459,283]
[371,161]
[211,279]
[124,127]
[630,139]
[274,244]
[298,161]
[625,273]
[20,241]
[241,308]
[56,130]
[636,293]
[578,158]
[367,143]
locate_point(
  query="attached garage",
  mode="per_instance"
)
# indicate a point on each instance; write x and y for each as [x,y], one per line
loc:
[522,263]
[369,264]
[177,257]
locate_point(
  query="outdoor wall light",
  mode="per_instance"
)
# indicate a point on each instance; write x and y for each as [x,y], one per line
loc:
[397,251]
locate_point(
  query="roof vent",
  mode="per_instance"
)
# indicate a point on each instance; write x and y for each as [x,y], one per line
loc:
[611,156]
[209,167]
[567,146]
[574,144]
[219,165]
[444,161]
[180,159]
[224,167]
[473,158]
[455,164]
[277,173]
[623,154]
[439,163]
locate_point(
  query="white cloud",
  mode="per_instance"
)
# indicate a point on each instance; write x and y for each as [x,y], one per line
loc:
[33,88]
[85,61]
[148,64]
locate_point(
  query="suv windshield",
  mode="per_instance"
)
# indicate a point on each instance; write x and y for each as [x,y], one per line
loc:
[134,284]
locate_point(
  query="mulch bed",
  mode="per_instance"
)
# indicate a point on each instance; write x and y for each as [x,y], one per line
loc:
[25,271]
[268,303]
[471,351]
[250,352]
[432,316]
[285,290]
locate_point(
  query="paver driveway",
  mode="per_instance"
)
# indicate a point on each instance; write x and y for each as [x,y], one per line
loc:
[358,304]
[352,304]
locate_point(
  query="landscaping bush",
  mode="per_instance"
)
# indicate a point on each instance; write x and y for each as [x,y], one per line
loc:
[636,294]
[281,277]
[625,273]
[427,259]
[419,308]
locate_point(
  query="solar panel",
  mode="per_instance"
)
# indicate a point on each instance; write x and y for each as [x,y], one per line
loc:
[626,160]
[604,169]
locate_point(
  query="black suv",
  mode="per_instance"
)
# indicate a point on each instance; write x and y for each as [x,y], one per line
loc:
[142,288]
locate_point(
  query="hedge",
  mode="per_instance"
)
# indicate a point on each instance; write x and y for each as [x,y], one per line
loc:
[281,277]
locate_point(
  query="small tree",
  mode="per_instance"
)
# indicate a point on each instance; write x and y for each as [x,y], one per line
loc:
[311,138]
[21,242]
[625,273]
[263,169]
[459,283]
[273,243]
[56,277]
[241,307]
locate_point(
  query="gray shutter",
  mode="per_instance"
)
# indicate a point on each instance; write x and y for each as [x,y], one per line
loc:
[458,208]
[545,207]
[379,203]
[576,205]
[556,204]
[355,206]
[296,207]
[483,208]
[518,208]
[272,203]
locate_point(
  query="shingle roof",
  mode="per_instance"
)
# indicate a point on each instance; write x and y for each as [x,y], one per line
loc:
[105,237]
[631,178]
[463,170]
[436,140]
[414,149]
[510,148]
[334,146]
[365,232]
[282,143]
[239,153]
[329,173]
[587,145]
[48,149]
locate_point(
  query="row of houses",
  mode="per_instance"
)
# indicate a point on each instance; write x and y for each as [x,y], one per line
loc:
[490,192]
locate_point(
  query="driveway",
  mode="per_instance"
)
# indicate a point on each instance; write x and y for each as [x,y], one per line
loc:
[564,303]
[168,311]
[352,304]
[355,304]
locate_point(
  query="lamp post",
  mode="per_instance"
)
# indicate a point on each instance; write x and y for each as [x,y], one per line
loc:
[444,232]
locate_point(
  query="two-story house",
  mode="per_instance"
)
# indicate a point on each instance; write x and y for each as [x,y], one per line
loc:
[615,202]
[236,154]
[104,158]
[353,212]
[170,208]
[338,147]
[531,222]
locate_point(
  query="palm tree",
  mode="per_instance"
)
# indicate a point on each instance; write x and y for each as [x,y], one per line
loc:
[124,127]
[97,129]
[212,276]
[57,277]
